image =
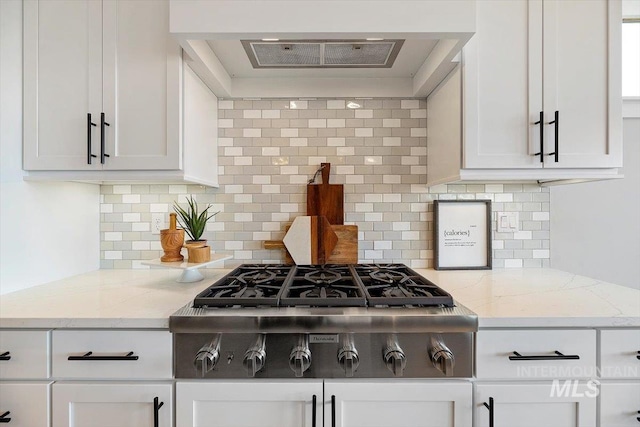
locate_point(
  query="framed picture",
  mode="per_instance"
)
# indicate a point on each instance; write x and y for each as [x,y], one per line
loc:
[462,234]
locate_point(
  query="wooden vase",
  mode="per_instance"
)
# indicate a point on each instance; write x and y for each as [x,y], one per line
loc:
[199,255]
[195,243]
[172,240]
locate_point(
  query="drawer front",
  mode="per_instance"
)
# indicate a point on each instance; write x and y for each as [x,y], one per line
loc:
[111,354]
[495,357]
[27,404]
[620,353]
[25,354]
[619,405]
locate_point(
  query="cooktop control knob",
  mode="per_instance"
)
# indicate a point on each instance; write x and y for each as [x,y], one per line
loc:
[208,356]
[441,356]
[255,356]
[394,357]
[300,357]
[348,356]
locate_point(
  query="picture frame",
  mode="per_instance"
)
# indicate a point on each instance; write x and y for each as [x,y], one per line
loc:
[462,235]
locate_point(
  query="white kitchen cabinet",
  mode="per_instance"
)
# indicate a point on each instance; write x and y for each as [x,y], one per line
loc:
[397,403]
[535,404]
[536,356]
[620,404]
[112,404]
[89,57]
[27,404]
[111,354]
[24,354]
[620,353]
[529,58]
[248,403]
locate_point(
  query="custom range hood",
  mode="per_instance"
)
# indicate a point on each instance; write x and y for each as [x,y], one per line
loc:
[322,48]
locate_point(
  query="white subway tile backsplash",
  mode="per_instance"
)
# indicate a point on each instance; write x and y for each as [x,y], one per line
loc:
[269,149]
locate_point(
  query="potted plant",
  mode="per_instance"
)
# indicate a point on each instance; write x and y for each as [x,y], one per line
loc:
[194,222]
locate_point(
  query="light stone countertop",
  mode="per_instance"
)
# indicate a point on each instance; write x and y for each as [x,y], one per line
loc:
[146,298]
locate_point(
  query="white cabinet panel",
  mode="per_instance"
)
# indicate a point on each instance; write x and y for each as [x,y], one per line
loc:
[141,63]
[535,405]
[582,77]
[493,349]
[62,83]
[152,348]
[503,86]
[248,404]
[27,403]
[111,405]
[398,403]
[620,404]
[28,354]
[619,353]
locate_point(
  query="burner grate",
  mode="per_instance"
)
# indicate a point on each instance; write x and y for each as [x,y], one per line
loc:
[323,286]
[249,285]
[398,285]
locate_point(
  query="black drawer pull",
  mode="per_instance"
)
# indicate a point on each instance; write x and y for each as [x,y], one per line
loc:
[489,406]
[541,123]
[89,356]
[555,121]
[5,356]
[313,410]
[3,417]
[638,356]
[156,409]
[558,356]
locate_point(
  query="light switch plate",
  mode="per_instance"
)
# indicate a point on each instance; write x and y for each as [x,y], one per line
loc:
[508,222]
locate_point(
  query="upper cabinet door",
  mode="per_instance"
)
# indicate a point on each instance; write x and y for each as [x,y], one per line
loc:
[62,83]
[142,67]
[582,78]
[503,86]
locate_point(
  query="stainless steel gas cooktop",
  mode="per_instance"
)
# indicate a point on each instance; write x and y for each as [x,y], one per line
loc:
[323,321]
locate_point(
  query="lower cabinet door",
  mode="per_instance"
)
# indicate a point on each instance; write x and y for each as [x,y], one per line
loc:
[112,405]
[24,404]
[564,403]
[397,404]
[249,404]
[620,404]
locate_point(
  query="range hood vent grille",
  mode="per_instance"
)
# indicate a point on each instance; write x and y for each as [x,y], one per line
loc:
[322,53]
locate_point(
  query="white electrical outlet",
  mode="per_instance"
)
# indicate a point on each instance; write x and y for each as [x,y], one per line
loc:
[157,223]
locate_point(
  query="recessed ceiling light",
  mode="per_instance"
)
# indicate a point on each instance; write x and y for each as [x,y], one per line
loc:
[270,40]
[374,39]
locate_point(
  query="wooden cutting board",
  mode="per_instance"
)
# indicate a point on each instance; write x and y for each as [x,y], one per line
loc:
[310,240]
[345,251]
[326,199]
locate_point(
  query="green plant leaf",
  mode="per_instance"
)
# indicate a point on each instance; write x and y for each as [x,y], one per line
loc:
[193,221]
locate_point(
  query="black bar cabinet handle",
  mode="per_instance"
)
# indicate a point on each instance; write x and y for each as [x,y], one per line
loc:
[333,411]
[156,410]
[313,410]
[102,138]
[5,356]
[89,124]
[558,356]
[89,356]
[541,123]
[556,122]
[489,406]
[3,417]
